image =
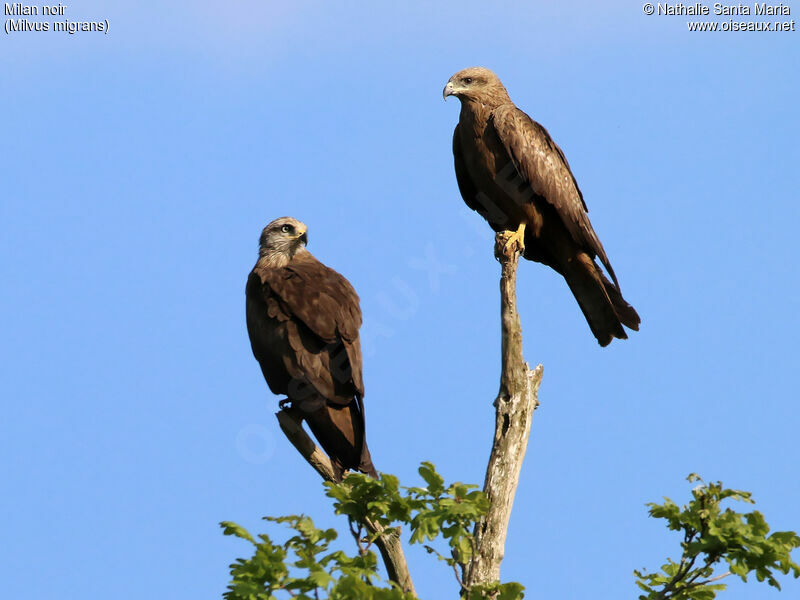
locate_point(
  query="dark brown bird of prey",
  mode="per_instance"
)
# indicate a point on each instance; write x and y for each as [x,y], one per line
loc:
[303,319]
[511,172]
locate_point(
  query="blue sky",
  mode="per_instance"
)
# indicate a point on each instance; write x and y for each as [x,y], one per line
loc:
[140,166]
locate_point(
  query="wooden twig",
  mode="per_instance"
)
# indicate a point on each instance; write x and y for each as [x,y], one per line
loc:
[515,403]
[291,426]
[388,541]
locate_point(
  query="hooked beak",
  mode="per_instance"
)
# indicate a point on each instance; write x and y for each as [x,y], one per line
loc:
[449,90]
[303,237]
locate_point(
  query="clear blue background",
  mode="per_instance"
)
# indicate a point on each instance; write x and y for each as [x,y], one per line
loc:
[139,167]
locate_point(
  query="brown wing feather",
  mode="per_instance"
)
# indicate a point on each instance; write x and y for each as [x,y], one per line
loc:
[541,163]
[317,295]
[324,305]
[303,322]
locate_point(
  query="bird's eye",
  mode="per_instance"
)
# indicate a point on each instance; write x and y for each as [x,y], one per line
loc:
[286,228]
[467,80]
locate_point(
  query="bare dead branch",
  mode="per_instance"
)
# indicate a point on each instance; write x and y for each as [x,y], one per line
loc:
[291,426]
[713,579]
[515,403]
[388,541]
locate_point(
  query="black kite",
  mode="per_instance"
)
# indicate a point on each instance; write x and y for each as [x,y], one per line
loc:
[511,172]
[303,320]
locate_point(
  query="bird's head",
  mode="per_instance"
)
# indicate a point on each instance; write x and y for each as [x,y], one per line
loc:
[477,84]
[284,236]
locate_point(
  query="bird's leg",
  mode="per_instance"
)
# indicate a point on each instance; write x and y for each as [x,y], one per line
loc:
[512,241]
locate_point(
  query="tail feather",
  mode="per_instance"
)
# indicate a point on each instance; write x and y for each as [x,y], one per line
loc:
[602,304]
[626,313]
[340,431]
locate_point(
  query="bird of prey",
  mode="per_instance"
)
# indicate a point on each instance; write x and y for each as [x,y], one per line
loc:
[510,171]
[303,320]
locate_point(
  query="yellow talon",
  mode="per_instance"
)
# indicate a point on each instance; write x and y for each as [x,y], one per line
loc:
[514,237]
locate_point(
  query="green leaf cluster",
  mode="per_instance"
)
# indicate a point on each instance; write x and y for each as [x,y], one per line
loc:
[304,567]
[713,536]
[433,511]
[496,591]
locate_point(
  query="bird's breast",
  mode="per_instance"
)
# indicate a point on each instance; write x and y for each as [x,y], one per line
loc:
[507,199]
